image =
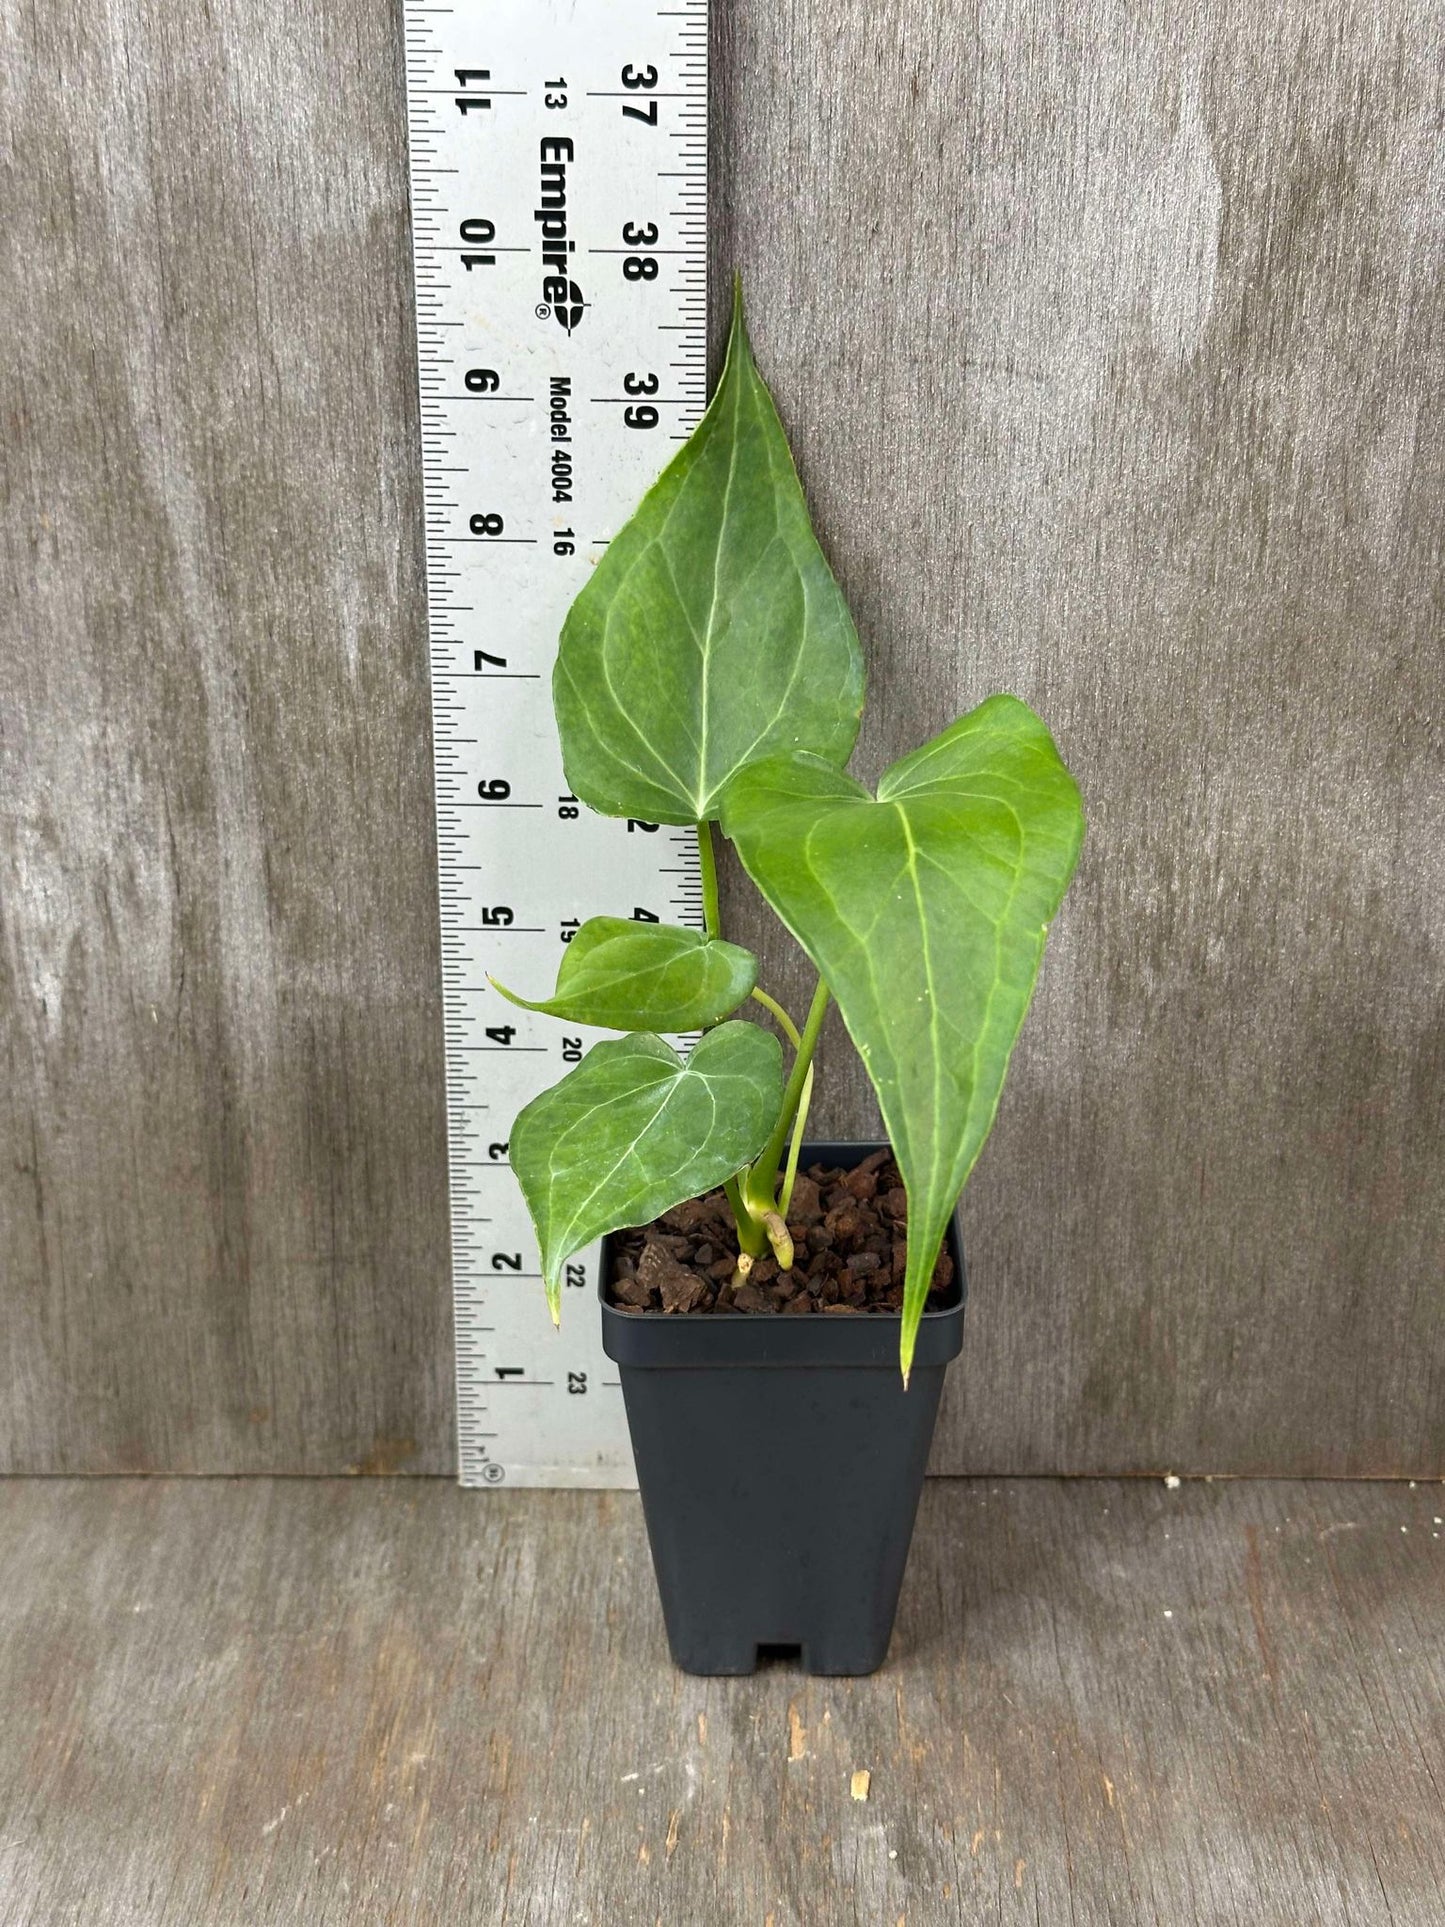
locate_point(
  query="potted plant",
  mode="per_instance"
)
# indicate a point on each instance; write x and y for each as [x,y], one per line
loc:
[782,1313]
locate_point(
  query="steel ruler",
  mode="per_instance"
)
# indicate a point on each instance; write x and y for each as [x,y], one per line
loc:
[559,205]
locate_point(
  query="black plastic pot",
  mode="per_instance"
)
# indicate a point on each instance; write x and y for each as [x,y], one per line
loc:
[781,1462]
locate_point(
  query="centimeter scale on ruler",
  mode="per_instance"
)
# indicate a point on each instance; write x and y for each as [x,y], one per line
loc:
[559,201]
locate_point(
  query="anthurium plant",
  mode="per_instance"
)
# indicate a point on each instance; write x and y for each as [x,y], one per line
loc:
[709,674]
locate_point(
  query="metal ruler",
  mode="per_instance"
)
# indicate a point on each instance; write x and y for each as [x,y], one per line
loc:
[559,204]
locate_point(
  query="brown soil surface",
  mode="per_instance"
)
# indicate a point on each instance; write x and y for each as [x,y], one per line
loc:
[848,1229]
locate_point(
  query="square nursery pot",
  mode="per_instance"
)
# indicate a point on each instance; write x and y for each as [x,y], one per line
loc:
[781,1462]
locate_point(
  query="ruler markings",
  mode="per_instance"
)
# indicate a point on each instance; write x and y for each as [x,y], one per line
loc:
[510,499]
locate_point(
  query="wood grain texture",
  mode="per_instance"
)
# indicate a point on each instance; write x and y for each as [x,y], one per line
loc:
[223,1194]
[1108,1705]
[1110,338]
[1111,342]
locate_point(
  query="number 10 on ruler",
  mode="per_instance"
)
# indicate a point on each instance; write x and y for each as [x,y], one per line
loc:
[559,194]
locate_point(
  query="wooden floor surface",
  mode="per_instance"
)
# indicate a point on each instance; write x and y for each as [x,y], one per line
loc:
[377,1701]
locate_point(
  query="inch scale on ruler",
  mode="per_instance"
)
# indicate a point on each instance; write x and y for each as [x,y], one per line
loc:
[559,210]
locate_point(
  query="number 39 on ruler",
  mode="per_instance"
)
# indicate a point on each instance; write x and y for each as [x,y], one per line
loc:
[559,201]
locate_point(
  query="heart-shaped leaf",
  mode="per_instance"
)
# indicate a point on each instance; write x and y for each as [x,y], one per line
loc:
[925,910]
[636,1129]
[645,976]
[712,632]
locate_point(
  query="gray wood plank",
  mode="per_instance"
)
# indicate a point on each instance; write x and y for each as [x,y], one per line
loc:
[1111,342]
[1108,1703]
[223,1235]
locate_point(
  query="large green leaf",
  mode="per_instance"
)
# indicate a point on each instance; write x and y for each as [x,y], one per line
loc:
[636,1129]
[925,910]
[645,976]
[712,632]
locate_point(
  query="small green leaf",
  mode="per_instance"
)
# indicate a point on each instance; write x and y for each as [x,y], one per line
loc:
[712,632]
[925,910]
[645,976]
[636,1129]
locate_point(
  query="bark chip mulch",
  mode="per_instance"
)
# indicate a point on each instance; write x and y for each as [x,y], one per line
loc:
[849,1232]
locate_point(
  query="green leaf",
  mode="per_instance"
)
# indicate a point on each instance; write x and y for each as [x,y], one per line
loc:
[635,1129]
[925,910]
[712,632]
[645,976]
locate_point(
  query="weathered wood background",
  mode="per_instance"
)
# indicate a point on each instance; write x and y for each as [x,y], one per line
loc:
[1111,339]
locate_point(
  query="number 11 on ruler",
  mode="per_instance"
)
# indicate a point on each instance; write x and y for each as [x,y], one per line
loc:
[559,199]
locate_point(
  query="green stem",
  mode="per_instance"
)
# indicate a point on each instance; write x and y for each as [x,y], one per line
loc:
[752,1237]
[707,857]
[785,1196]
[758,1184]
[790,1029]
